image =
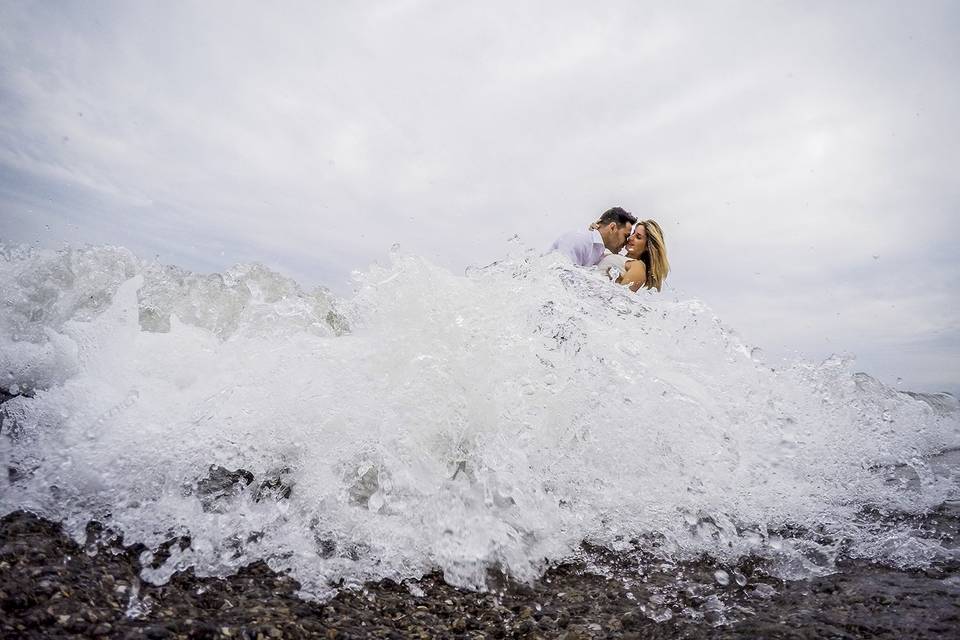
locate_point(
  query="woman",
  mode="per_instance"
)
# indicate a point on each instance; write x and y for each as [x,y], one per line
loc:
[645,264]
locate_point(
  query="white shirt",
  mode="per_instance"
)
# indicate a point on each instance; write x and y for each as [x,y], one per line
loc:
[584,248]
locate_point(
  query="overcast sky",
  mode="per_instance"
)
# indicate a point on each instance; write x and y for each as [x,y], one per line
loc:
[802,157]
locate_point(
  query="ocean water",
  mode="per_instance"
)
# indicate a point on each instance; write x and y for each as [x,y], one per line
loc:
[491,421]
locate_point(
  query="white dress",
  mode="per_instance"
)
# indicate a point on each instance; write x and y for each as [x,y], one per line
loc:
[613,265]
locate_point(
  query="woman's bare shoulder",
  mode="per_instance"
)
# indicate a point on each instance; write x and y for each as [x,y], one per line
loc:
[635,265]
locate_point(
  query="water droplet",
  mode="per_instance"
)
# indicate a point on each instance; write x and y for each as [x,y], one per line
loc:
[375,502]
[722,577]
[661,616]
[752,537]
[764,591]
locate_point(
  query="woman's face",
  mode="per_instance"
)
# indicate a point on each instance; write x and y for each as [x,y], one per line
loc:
[637,243]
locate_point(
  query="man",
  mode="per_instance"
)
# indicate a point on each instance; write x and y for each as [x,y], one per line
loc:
[585,248]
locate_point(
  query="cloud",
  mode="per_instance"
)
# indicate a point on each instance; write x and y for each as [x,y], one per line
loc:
[781,146]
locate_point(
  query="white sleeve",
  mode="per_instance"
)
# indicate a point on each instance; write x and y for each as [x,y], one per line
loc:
[567,245]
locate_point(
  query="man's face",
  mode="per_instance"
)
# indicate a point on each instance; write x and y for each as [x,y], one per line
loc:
[615,236]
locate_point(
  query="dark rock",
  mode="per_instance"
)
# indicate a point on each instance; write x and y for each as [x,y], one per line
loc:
[157,632]
[220,485]
[162,554]
[630,620]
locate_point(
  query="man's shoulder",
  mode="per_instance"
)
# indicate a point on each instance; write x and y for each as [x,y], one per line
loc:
[581,235]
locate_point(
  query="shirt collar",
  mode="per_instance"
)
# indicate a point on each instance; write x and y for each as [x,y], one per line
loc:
[597,238]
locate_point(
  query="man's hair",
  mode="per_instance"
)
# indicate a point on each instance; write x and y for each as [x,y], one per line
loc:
[618,215]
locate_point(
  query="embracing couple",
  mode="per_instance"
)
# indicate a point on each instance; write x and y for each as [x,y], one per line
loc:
[644,263]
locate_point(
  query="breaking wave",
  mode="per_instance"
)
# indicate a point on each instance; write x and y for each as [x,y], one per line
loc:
[492,421]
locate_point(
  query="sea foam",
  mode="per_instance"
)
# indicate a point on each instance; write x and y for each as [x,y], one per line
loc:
[495,420]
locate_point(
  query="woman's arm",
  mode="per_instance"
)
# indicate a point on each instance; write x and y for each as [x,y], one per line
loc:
[634,275]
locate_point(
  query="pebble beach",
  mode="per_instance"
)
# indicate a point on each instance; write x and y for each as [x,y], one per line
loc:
[53,587]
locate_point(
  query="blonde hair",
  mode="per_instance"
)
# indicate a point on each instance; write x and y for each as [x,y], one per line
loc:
[655,255]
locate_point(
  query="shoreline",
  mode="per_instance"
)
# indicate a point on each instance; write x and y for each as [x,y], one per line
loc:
[52,587]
